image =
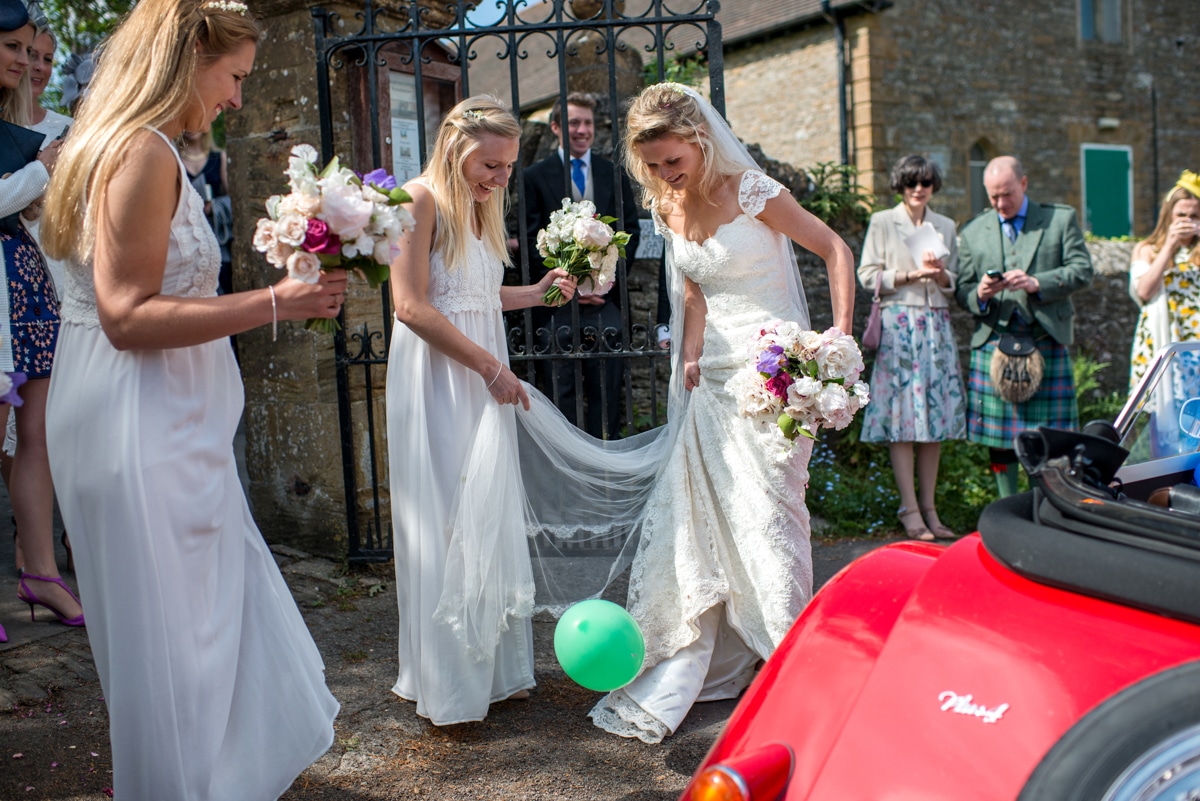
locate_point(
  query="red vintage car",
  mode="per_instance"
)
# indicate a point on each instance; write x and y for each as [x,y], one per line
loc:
[1053,655]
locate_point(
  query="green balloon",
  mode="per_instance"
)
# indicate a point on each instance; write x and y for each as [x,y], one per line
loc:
[599,645]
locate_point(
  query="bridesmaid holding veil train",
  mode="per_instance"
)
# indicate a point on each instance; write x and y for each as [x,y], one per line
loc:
[214,687]
[463,573]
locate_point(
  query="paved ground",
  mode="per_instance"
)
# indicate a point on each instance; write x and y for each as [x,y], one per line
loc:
[53,724]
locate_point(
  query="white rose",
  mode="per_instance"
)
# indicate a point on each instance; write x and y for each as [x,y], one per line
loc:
[305,153]
[543,243]
[291,229]
[304,205]
[592,233]
[833,404]
[364,245]
[840,358]
[807,344]
[385,251]
[304,267]
[404,218]
[264,235]
[345,212]
[279,253]
[272,205]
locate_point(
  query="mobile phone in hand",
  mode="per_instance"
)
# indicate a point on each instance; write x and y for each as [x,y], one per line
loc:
[994,274]
[63,134]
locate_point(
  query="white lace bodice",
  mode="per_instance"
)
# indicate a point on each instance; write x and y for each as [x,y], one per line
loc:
[193,259]
[741,271]
[473,286]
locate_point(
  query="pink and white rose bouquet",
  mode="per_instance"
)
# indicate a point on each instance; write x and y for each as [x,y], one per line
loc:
[801,380]
[583,243]
[333,217]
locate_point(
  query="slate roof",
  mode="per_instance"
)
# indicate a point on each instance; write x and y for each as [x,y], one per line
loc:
[741,20]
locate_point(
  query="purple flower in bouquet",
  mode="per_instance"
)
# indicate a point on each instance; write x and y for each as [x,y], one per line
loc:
[320,239]
[772,361]
[381,179]
[8,388]
[778,386]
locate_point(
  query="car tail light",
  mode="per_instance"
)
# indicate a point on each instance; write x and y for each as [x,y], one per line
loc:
[760,775]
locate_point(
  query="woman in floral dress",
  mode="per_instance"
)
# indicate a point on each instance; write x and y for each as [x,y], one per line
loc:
[1164,277]
[916,388]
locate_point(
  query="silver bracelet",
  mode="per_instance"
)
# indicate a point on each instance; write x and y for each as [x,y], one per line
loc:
[494,380]
[274,314]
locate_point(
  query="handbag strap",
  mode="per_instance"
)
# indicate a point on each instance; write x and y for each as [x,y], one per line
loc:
[878,283]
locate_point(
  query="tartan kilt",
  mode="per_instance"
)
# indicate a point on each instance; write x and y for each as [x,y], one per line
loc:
[995,422]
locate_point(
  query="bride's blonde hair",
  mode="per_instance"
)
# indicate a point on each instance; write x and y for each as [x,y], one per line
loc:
[458,136]
[665,109]
[145,78]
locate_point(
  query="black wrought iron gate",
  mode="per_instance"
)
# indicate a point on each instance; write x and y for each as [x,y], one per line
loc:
[386,75]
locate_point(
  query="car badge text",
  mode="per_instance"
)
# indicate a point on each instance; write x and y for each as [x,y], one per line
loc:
[965,705]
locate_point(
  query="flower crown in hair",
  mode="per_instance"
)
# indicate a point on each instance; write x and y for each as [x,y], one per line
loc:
[232,6]
[677,89]
[474,114]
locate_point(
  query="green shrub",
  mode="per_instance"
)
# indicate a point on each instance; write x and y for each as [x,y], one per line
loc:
[836,198]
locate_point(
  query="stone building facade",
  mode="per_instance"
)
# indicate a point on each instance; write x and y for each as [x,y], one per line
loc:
[963,82]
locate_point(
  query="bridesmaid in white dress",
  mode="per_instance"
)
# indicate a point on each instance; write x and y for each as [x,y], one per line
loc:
[724,564]
[463,573]
[214,687]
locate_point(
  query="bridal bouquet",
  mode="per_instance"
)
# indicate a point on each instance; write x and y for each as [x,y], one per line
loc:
[581,242]
[801,380]
[333,217]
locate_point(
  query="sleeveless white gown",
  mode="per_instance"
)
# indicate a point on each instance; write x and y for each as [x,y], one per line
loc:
[724,564]
[444,429]
[214,686]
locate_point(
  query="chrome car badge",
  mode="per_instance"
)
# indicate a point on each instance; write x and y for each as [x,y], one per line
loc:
[965,705]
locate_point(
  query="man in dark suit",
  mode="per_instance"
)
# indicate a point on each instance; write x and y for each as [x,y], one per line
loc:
[592,178]
[1017,267]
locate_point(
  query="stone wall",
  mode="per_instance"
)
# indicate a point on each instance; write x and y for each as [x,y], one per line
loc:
[293,453]
[937,76]
[782,95]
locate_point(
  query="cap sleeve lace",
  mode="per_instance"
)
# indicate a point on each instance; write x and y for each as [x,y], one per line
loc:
[755,190]
[660,227]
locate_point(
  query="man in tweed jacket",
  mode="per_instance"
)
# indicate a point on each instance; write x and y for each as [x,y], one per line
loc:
[1036,256]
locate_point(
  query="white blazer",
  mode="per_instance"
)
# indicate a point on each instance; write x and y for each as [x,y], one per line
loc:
[884,254]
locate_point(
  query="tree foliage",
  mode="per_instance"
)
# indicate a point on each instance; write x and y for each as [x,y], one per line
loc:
[80,25]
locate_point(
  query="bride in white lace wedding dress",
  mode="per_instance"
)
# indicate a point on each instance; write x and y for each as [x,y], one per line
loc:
[724,564]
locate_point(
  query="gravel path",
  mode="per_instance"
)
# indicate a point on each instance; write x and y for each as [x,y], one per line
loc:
[53,725]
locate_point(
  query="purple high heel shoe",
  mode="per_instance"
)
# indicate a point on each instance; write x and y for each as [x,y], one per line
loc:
[26,595]
[3,635]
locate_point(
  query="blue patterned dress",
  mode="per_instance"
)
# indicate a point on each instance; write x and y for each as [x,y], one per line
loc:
[32,305]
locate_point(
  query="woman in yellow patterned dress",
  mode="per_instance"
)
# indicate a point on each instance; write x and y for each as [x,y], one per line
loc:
[1164,277]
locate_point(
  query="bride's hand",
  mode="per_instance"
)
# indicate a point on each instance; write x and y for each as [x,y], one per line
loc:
[506,388]
[691,375]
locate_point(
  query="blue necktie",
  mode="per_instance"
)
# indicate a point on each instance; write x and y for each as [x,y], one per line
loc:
[578,177]
[1010,228]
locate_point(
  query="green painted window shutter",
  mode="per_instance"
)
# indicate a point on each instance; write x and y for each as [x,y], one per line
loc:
[1107,185]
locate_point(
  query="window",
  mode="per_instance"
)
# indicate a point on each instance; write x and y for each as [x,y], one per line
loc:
[1107,189]
[975,167]
[1100,20]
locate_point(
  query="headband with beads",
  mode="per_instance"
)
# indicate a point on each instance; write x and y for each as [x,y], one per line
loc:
[232,6]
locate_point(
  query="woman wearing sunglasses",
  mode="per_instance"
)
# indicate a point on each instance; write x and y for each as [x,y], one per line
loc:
[916,387]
